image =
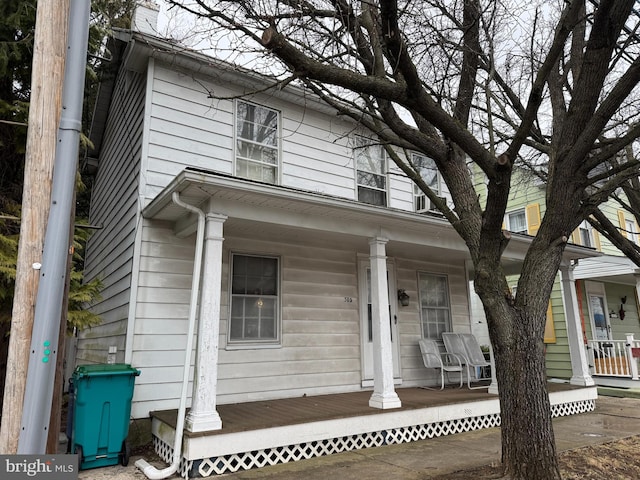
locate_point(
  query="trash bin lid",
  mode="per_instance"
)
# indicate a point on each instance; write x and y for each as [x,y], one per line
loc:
[105,369]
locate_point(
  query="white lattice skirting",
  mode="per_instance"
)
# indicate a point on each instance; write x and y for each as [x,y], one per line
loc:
[303,451]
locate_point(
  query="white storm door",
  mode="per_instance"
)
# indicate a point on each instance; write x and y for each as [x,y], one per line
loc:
[599,317]
[598,313]
[366,325]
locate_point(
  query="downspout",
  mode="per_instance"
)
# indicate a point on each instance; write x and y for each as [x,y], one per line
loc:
[149,470]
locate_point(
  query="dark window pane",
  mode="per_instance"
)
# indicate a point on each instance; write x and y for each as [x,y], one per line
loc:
[254,304]
[373,197]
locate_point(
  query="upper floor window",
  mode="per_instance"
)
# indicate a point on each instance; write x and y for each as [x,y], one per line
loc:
[429,173]
[585,232]
[254,299]
[371,172]
[516,221]
[257,142]
[435,310]
[632,231]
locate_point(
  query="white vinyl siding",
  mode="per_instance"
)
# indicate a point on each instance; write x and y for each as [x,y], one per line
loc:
[319,351]
[188,128]
[110,249]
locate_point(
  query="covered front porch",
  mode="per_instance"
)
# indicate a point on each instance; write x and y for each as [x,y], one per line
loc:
[258,434]
[611,315]
[341,373]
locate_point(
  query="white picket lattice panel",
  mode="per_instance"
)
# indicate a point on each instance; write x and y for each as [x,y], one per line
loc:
[292,453]
[165,452]
[564,409]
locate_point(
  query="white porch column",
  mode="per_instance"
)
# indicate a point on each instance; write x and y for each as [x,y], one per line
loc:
[577,351]
[633,363]
[384,395]
[203,415]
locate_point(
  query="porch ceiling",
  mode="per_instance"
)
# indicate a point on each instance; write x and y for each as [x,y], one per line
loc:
[275,213]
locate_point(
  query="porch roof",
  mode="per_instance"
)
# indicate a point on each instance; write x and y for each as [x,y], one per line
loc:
[273,211]
[608,268]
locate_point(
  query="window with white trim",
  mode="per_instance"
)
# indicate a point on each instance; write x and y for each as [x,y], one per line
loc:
[371,172]
[429,173]
[585,231]
[254,299]
[632,230]
[257,142]
[516,221]
[435,309]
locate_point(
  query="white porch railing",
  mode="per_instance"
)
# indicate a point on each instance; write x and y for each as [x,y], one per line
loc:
[615,358]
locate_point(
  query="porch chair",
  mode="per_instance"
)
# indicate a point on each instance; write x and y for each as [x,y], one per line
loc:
[446,362]
[466,347]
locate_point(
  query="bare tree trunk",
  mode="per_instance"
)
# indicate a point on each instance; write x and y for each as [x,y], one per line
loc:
[516,326]
[528,445]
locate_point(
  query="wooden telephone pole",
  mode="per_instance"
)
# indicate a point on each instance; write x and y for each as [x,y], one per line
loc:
[50,43]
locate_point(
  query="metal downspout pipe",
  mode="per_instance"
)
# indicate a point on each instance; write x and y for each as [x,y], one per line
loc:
[149,470]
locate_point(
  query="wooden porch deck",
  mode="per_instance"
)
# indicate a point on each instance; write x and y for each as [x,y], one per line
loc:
[248,416]
[256,434]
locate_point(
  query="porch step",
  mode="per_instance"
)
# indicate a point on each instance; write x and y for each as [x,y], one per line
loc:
[619,392]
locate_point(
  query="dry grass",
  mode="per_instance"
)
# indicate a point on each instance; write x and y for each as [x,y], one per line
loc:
[619,460]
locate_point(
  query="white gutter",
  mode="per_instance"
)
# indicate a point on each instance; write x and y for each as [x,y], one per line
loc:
[149,470]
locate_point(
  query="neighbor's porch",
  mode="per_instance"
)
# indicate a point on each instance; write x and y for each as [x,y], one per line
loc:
[615,362]
[263,433]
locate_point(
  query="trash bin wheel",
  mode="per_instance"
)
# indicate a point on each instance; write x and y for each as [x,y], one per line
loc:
[125,453]
[78,449]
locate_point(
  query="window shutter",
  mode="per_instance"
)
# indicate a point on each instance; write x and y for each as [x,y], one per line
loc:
[575,236]
[623,224]
[596,240]
[549,327]
[533,218]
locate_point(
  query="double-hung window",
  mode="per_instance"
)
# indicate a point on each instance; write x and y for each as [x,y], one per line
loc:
[257,142]
[435,309]
[429,173]
[632,230]
[254,299]
[371,172]
[516,221]
[585,233]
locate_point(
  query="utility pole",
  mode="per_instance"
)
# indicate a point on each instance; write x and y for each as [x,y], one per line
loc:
[49,52]
[57,247]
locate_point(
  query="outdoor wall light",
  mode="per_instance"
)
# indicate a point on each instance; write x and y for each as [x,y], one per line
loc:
[403,297]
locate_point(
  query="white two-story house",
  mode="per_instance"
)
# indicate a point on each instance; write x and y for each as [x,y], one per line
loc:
[278,232]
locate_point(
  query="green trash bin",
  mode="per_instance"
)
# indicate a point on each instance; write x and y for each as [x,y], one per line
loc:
[101,414]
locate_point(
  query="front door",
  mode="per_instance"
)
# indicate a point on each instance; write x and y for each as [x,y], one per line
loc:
[598,314]
[599,317]
[366,325]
